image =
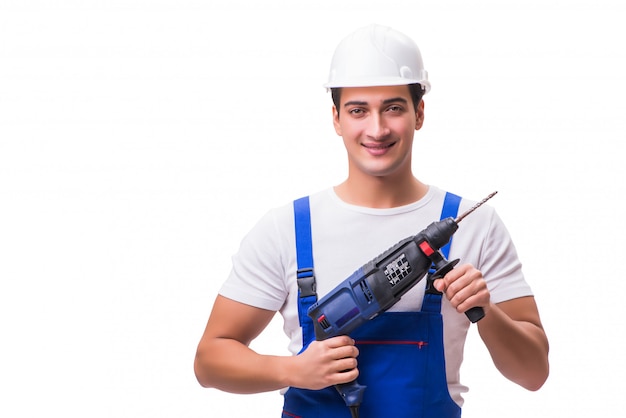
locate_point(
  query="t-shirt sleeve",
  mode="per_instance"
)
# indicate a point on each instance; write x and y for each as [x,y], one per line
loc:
[500,264]
[258,272]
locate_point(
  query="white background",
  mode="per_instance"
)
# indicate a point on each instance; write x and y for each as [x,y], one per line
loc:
[140,140]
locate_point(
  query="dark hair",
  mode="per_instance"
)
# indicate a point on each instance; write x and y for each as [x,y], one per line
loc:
[416,90]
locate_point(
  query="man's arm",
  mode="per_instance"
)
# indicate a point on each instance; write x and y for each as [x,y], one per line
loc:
[511,330]
[224,360]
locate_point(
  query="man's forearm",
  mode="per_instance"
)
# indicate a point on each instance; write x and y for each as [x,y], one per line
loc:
[517,342]
[233,367]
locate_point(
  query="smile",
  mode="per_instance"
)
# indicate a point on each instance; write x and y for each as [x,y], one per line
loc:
[379,146]
[378,149]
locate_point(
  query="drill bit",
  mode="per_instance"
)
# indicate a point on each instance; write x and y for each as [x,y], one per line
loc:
[473,208]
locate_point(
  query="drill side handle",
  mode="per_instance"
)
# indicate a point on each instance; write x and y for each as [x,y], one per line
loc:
[474,314]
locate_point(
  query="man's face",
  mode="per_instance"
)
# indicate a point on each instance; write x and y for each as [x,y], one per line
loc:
[377,125]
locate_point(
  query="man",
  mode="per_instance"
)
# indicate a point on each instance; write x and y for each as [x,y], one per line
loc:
[408,357]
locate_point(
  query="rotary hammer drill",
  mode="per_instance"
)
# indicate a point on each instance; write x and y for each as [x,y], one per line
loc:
[380,283]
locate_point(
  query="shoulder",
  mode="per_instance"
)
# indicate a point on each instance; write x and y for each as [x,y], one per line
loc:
[277,224]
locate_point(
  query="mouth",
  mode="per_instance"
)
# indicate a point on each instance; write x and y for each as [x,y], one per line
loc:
[379,146]
[378,149]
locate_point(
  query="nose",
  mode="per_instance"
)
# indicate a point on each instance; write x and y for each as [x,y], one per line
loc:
[377,128]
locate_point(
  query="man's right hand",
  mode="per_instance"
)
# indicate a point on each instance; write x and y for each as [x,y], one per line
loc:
[326,363]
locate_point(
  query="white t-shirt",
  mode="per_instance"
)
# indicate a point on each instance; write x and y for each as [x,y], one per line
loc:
[345,237]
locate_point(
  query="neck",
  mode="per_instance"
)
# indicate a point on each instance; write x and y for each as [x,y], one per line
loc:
[381,192]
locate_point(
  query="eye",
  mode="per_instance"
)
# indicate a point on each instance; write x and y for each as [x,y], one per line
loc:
[357,111]
[395,109]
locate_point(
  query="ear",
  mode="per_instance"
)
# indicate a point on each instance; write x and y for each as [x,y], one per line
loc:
[419,115]
[336,123]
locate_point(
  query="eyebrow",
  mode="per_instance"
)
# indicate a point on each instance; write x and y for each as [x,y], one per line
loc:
[386,101]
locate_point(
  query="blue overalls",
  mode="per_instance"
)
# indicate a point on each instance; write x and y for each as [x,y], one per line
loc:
[401,355]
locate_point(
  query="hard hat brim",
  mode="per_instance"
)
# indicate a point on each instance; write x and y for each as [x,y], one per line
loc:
[369,82]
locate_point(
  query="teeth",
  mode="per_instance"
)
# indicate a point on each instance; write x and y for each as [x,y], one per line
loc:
[382,146]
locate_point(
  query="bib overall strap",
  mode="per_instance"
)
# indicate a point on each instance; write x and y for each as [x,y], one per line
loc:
[432,297]
[307,295]
[450,209]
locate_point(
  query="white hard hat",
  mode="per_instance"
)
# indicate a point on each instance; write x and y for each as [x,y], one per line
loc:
[377,56]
